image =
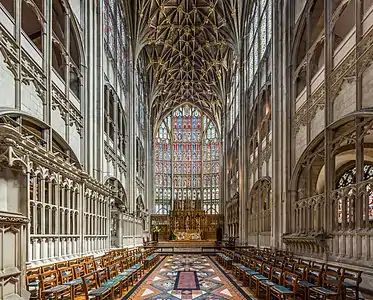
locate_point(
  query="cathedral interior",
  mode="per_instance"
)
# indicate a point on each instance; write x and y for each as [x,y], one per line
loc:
[186,149]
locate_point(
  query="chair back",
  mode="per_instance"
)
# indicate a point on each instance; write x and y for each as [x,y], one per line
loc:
[276,275]
[89,266]
[48,280]
[79,270]
[72,262]
[89,283]
[266,270]
[48,268]
[98,264]
[32,278]
[290,281]
[102,276]
[62,264]
[352,277]
[288,267]
[111,271]
[66,274]
[301,271]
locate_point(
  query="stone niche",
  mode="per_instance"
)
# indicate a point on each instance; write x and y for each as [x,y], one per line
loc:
[12,255]
[13,245]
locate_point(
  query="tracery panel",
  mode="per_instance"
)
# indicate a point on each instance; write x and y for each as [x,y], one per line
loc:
[346,199]
[187,152]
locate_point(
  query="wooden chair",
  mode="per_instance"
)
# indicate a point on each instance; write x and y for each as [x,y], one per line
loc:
[33,282]
[79,271]
[315,271]
[67,277]
[275,278]
[89,266]
[288,288]
[265,275]
[72,262]
[251,272]
[62,264]
[114,281]
[333,278]
[92,289]
[304,286]
[351,283]
[98,264]
[48,268]
[49,286]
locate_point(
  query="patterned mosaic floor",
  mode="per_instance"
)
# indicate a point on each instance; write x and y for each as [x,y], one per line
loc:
[166,281]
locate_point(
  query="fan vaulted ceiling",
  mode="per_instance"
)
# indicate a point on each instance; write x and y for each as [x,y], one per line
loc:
[187,46]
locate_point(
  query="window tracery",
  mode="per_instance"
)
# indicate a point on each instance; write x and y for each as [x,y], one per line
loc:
[346,204]
[187,153]
[259,36]
[115,37]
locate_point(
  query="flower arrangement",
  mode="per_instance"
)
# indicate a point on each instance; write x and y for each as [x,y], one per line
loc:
[156,229]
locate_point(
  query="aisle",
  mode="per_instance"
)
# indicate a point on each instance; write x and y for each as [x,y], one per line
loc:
[187,277]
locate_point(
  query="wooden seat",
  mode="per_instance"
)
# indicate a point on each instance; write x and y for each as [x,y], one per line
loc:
[251,272]
[79,271]
[92,289]
[33,281]
[114,281]
[288,288]
[304,285]
[322,292]
[98,264]
[332,278]
[275,278]
[314,273]
[67,277]
[351,283]
[49,286]
[89,266]
[265,275]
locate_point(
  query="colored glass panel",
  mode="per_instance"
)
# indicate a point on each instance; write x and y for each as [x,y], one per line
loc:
[187,145]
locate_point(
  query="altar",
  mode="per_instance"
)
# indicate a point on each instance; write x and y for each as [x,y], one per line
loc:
[187,223]
[188,236]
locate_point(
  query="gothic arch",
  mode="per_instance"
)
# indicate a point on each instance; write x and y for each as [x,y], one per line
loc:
[119,195]
[259,206]
[314,210]
[316,146]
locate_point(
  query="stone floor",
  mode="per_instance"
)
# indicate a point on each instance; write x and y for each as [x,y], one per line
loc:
[166,281]
[189,276]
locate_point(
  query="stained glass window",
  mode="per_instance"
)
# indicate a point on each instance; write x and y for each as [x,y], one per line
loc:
[187,152]
[115,37]
[349,178]
[258,35]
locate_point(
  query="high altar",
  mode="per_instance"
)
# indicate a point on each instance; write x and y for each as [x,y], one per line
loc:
[187,222]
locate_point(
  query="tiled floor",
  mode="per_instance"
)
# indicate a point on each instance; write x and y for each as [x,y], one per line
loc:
[212,281]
